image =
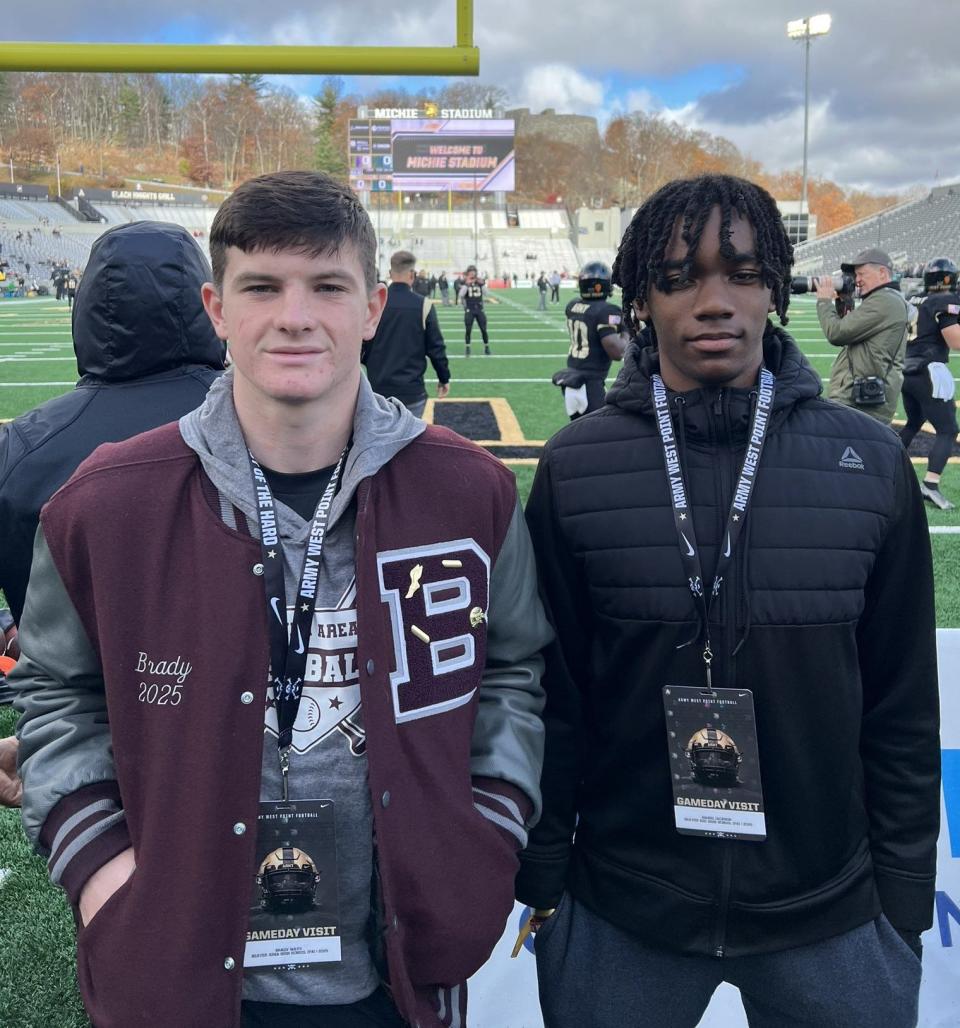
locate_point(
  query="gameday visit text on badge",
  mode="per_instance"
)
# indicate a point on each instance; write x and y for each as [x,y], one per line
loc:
[714,763]
[294,906]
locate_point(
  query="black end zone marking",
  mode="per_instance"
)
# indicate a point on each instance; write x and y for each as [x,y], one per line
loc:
[515,452]
[475,421]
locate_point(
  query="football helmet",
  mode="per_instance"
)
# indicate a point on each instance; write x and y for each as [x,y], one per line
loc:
[288,881]
[940,275]
[595,281]
[714,757]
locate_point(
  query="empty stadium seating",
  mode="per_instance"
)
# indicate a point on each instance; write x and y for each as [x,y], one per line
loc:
[911,233]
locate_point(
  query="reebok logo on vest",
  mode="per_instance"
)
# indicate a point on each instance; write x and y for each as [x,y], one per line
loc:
[851,459]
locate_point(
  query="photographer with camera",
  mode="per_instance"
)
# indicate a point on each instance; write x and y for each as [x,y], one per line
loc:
[868,371]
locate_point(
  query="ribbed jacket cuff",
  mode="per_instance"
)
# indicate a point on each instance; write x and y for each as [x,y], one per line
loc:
[541,880]
[907,902]
[505,806]
[82,832]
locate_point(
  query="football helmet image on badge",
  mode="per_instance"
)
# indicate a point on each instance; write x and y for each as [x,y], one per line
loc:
[714,757]
[595,281]
[288,881]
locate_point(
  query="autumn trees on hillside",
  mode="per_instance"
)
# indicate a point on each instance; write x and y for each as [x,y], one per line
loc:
[218,131]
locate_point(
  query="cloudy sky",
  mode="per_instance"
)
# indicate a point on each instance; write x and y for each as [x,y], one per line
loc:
[885,87]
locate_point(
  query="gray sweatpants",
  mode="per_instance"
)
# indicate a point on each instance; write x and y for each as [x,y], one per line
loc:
[593,974]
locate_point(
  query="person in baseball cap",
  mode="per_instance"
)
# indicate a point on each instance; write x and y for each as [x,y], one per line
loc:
[872,255]
[868,371]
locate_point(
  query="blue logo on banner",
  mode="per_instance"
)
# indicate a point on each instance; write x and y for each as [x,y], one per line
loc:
[951,797]
[946,909]
[524,918]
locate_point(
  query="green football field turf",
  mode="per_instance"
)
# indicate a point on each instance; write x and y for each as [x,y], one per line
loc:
[36,363]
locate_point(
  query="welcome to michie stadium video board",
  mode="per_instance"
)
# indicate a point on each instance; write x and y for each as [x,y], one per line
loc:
[431,151]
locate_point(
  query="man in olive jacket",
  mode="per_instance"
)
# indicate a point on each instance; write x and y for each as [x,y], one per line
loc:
[872,337]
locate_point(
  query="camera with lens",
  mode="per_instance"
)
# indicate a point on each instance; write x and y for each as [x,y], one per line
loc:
[843,284]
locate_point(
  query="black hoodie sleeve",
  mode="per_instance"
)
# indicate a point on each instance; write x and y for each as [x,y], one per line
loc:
[899,743]
[543,865]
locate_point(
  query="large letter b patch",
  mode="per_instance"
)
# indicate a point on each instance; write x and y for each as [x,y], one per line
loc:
[437,596]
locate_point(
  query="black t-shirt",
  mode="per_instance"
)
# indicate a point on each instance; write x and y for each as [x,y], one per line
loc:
[299,491]
[588,321]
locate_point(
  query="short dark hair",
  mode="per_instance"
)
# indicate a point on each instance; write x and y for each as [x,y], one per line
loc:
[640,258]
[304,211]
[402,261]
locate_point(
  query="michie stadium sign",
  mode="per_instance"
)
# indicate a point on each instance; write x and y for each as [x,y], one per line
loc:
[427,111]
[409,149]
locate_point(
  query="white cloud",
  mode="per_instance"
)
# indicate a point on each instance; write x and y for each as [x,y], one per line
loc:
[560,86]
[641,100]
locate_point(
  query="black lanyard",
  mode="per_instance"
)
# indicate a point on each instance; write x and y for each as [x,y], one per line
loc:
[739,505]
[288,663]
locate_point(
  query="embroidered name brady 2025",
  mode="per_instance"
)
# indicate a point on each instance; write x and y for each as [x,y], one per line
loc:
[162,693]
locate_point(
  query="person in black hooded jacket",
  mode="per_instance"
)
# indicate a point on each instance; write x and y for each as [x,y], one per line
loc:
[146,354]
[714,445]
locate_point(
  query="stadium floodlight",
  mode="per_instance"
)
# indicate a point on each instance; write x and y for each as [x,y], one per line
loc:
[461,59]
[818,25]
[806,29]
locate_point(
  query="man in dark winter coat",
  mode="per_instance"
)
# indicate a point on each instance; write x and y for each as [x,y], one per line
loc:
[146,354]
[408,333]
[742,698]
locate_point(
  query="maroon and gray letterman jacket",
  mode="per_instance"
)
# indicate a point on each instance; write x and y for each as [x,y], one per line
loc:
[133,557]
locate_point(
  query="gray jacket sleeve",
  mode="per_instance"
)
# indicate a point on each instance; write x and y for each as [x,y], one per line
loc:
[71,804]
[507,749]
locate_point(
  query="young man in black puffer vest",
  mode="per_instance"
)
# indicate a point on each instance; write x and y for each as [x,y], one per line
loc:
[742,704]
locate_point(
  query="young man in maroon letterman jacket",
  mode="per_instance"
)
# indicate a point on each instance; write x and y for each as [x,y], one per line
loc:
[163,714]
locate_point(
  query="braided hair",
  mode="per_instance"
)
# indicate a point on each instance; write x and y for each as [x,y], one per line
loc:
[640,258]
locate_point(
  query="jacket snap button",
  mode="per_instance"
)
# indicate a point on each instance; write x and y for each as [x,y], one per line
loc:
[229,964]
[258,569]
[239,828]
[385,799]
[369,667]
[246,697]
[396,922]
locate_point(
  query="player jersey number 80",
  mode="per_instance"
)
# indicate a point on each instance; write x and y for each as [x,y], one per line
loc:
[437,597]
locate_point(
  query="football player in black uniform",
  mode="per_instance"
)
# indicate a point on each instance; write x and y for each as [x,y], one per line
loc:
[928,384]
[595,340]
[472,294]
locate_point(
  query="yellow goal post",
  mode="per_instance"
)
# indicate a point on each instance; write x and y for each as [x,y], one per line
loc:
[461,59]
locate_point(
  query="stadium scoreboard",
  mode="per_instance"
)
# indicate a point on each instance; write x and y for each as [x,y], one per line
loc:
[427,155]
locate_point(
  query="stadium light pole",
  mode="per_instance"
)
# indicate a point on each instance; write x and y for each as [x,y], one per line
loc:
[476,228]
[807,29]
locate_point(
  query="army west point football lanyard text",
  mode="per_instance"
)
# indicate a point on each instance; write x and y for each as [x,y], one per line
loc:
[288,663]
[739,505]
